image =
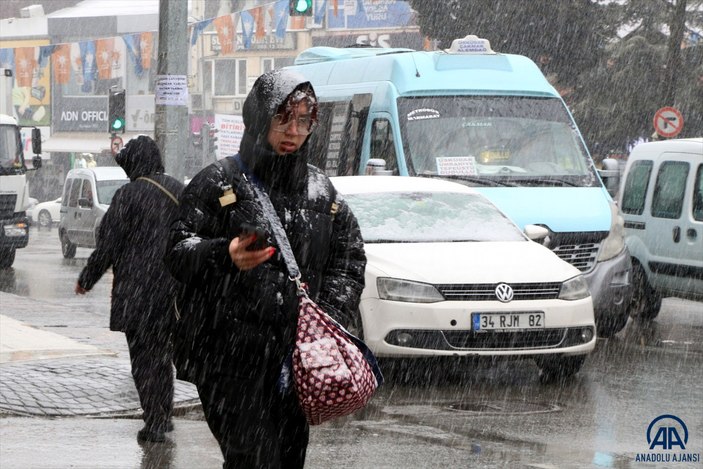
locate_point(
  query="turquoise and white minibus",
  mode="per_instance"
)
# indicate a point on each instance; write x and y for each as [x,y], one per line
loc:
[485,119]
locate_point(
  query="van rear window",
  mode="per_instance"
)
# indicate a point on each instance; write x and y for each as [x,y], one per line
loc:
[636,185]
[670,189]
[107,189]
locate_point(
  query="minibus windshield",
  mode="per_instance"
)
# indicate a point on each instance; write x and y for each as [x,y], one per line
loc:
[512,140]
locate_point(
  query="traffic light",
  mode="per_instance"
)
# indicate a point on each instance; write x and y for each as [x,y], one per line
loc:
[116,111]
[300,7]
[208,141]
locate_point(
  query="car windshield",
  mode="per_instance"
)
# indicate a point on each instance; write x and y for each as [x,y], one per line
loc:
[107,189]
[401,217]
[494,140]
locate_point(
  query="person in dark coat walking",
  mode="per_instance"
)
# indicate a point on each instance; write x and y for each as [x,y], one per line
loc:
[238,310]
[131,239]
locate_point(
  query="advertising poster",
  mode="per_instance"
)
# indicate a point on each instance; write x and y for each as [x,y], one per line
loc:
[31,85]
[230,130]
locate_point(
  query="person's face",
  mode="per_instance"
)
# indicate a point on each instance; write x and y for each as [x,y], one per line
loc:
[287,132]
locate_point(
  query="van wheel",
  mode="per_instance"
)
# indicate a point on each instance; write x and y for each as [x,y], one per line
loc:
[68,249]
[646,302]
[7,257]
[558,369]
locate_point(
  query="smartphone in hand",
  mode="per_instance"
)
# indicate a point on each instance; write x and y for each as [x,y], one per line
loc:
[260,241]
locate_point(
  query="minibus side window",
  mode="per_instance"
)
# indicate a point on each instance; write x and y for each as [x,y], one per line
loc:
[320,138]
[335,145]
[383,145]
[669,189]
[698,195]
[636,185]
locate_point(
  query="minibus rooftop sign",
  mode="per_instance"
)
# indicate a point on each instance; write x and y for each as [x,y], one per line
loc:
[471,44]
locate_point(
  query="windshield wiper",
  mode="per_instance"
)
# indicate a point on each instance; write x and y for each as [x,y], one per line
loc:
[550,181]
[478,180]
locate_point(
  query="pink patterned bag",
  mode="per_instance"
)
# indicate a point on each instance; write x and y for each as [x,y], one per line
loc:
[332,375]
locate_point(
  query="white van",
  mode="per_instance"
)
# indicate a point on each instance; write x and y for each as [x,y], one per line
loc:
[87,194]
[487,120]
[662,203]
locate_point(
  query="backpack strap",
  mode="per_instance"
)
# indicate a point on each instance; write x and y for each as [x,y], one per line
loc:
[163,189]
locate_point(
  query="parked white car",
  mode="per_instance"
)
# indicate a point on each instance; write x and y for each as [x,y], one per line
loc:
[30,207]
[46,214]
[449,274]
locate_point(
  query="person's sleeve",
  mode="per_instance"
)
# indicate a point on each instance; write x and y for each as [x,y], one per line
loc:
[343,279]
[198,248]
[108,243]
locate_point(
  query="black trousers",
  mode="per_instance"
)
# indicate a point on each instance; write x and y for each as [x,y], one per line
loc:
[151,355]
[255,426]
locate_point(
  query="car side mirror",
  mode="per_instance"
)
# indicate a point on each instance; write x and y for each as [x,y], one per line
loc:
[85,203]
[36,141]
[36,162]
[611,175]
[536,233]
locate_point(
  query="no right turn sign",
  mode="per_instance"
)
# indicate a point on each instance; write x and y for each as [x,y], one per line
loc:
[668,122]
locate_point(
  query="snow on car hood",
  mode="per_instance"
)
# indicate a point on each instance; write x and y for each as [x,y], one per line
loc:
[468,262]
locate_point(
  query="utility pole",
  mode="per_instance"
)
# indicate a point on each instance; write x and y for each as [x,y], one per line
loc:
[171,127]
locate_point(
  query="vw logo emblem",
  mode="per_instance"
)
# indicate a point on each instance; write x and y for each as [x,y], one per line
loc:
[504,292]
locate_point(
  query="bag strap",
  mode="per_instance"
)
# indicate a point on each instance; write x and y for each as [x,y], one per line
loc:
[163,189]
[278,232]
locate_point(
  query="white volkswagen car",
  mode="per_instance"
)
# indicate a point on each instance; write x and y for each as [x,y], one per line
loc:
[449,274]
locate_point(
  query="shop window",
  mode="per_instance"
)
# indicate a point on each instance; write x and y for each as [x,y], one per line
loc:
[229,77]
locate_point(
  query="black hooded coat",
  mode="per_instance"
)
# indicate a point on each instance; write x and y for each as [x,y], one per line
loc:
[132,239]
[241,324]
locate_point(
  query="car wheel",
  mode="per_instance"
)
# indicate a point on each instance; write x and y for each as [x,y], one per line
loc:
[68,249]
[7,257]
[44,219]
[559,369]
[606,327]
[646,302]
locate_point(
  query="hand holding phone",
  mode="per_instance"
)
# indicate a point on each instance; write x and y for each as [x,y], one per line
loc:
[260,241]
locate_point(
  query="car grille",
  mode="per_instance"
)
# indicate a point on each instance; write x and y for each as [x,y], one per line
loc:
[486,291]
[581,256]
[505,340]
[470,340]
[7,205]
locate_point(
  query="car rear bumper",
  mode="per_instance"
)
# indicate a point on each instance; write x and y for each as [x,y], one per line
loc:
[398,329]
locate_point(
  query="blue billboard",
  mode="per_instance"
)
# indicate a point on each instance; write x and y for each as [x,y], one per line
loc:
[367,14]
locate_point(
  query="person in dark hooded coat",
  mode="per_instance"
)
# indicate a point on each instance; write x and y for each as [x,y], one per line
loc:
[238,309]
[131,239]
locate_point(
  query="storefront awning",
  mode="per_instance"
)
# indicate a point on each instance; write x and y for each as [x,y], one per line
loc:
[81,142]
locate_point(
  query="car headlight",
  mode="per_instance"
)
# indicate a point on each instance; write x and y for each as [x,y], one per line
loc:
[574,289]
[615,242]
[404,290]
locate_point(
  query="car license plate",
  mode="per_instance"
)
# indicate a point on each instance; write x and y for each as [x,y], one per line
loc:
[482,322]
